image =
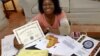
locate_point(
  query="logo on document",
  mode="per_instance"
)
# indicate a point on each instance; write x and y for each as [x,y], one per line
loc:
[88,44]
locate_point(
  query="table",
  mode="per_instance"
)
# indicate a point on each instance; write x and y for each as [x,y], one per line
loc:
[91,30]
[95,35]
[19,46]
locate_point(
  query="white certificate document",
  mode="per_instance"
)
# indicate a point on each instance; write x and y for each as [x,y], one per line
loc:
[28,33]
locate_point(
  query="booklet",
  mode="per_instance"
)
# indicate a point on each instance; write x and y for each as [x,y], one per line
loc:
[90,46]
[29,33]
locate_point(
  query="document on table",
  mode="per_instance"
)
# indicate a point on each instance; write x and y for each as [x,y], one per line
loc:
[7,46]
[25,52]
[90,46]
[65,46]
[28,33]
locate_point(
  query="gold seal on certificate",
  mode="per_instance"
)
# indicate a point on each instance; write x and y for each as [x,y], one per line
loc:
[28,33]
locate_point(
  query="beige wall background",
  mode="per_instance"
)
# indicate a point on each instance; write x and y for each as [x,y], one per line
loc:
[81,11]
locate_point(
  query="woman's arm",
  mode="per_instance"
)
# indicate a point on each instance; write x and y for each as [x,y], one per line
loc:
[64,27]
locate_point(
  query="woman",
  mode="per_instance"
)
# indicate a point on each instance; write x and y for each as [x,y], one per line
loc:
[51,18]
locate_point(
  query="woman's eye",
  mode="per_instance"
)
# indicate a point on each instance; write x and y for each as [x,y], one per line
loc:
[47,4]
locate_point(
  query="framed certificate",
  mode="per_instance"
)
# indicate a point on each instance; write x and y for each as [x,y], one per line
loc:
[28,33]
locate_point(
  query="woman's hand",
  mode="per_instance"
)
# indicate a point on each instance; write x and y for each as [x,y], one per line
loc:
[17,45]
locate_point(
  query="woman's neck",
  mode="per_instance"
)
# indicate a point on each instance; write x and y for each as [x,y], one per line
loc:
[50,18]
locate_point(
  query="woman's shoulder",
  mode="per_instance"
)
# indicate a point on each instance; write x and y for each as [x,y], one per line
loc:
[62,15]
[39,15]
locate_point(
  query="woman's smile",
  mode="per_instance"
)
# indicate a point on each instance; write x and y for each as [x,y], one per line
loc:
[48,7]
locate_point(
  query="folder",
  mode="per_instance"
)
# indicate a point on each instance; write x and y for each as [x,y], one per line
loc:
[25,52]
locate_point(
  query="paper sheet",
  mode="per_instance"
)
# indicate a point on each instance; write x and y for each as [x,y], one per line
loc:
[28,33]
[7,46]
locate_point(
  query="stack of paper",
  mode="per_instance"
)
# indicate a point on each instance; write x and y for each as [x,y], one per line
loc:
[65,43]
[7,45]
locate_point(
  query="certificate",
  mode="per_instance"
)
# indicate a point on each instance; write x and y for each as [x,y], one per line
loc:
[28,33]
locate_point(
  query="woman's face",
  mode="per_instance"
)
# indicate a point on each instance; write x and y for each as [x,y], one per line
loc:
[48,6]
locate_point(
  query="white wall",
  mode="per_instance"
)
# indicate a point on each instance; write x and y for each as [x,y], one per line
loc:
[3,19]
